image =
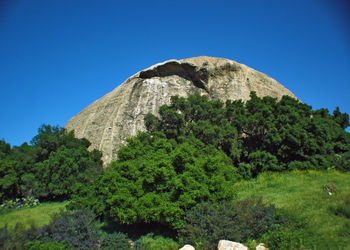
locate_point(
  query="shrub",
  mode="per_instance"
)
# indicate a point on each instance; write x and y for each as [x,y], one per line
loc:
[292,233]
[285,237]
[238,221]
[115,241]
[16,238]
[39,245]
[149,242]
[77,229]
[156,180]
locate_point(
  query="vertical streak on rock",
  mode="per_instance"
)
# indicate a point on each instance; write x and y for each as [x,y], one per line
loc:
[137,112]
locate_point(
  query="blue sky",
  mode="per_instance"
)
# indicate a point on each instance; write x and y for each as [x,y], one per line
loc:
[58,56]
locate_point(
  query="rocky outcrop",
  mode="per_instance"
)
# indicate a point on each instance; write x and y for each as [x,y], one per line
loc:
[107,122]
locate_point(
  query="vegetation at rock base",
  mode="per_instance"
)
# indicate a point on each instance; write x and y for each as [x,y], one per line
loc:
[162,181]
[199,157]
[197,149]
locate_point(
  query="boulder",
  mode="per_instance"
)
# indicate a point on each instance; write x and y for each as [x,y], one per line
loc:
[187,247]
[261,246]
[231,245]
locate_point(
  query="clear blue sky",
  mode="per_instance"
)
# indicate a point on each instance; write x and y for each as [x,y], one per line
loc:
[58,56]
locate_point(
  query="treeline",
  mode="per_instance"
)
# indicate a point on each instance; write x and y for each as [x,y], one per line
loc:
[198,148]
[50,168]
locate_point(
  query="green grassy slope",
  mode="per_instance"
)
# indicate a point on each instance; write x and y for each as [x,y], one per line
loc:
[301,195]
[37,216]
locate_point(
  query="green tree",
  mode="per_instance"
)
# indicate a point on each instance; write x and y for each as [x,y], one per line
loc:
[52,167]
[156,179]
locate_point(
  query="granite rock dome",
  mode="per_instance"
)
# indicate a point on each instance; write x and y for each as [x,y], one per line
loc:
[108,121]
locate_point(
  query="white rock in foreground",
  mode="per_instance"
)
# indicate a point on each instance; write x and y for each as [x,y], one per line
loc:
[261,246]
[231,245]
[187,247]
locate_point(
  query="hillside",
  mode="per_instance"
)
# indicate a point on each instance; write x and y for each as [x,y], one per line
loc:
[303,195]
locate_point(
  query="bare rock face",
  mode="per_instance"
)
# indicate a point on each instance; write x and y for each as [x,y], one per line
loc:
[107,122]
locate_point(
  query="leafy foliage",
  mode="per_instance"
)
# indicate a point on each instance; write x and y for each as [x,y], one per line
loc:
[149,242]
[16,238]
[51,168]
[238,221]
[75,229]
[288,235]
[115,241]
[156,180]
[39,245]
[67,230]
[262,134]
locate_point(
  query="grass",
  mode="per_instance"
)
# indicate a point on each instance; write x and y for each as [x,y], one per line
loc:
[301,195]
[37,216]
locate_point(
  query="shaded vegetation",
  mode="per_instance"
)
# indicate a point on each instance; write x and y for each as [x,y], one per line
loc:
[66,230]
[238,221]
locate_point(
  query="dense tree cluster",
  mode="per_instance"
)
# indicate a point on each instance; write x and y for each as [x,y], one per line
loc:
[196,149]
[261,134]
[50,168]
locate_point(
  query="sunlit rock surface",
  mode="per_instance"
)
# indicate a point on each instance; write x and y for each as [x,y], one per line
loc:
[108,121]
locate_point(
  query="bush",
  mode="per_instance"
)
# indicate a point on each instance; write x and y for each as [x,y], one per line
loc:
[39,245]
[156,180]
[77,229]
[115,241]
[16,238]
[149,242]
[284,238]
[292,234]
[238,221]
